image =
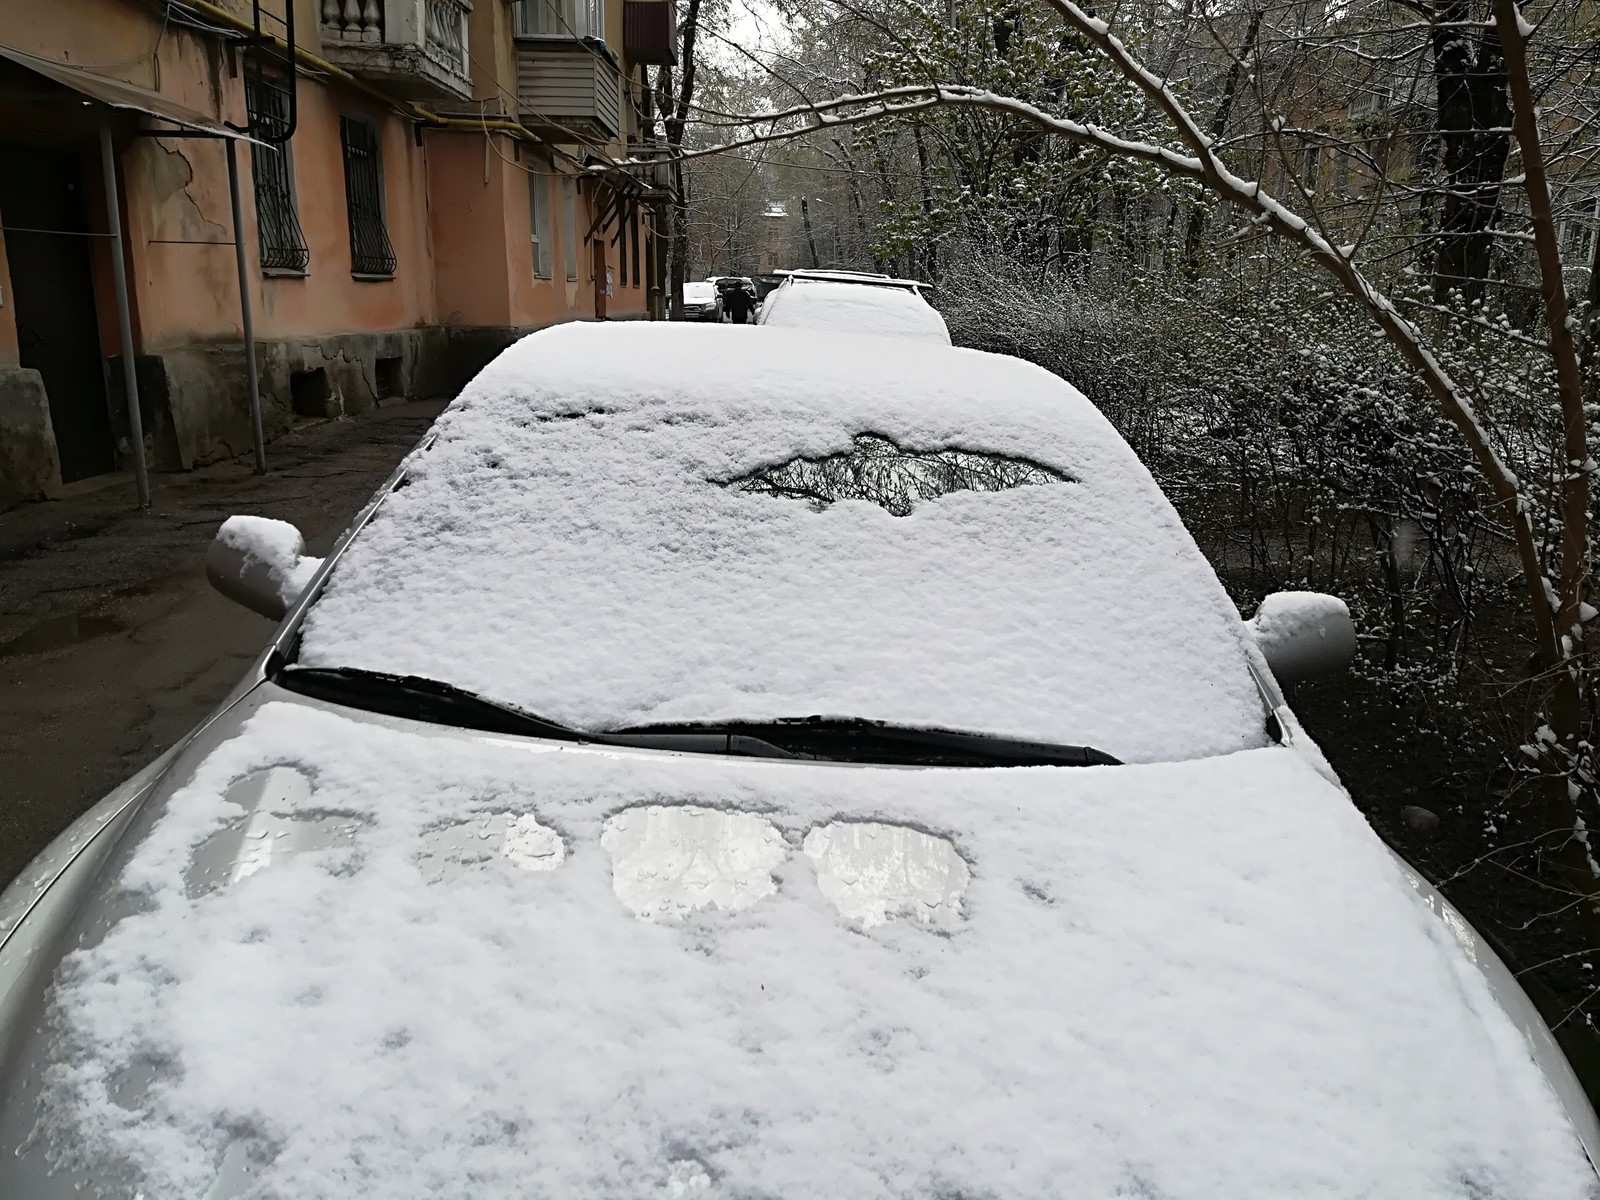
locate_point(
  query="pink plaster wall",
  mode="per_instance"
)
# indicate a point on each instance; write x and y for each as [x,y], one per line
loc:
[457,209]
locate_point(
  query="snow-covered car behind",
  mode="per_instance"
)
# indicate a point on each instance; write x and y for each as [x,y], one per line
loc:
[853,307]
[693,777]
[868,278]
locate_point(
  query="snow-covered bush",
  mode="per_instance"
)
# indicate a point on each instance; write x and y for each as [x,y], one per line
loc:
[1294,442]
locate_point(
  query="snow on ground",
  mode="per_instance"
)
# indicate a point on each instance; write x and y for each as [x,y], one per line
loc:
[562,547]
[1203,981]
[854,308]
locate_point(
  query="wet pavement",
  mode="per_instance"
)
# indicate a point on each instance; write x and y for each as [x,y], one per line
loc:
[112,644]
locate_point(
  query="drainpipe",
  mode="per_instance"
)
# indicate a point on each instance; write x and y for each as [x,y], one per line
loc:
[252,380]
[119,272]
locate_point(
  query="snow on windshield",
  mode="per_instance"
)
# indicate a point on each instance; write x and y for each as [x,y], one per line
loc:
[854,308]
[565,546]
[1204,980]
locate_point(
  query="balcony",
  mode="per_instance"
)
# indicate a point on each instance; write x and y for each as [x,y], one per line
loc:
[569,90]
[650,32]
[656,178]
[416,49]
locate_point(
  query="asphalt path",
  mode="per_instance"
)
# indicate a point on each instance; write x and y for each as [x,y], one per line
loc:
[112,644]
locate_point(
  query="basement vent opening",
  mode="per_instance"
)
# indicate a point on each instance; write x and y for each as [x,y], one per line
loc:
[308,392]
[878,469]
[387,378]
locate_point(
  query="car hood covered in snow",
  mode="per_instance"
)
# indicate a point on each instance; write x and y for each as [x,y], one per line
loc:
[359,958]
[567,545]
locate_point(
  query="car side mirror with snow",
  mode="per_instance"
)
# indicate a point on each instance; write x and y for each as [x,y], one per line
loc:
[260,563]
[1303,635]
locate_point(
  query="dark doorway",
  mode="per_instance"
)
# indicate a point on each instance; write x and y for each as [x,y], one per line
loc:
[52,286]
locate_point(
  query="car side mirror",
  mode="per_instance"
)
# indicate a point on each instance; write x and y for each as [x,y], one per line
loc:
[260,563]
[1303,635]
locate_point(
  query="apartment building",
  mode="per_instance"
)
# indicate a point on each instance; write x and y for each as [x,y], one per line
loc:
[385,193]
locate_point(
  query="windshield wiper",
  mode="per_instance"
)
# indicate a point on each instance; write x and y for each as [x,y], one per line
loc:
[843,739]
[417,699]
[853,739]
[420,699]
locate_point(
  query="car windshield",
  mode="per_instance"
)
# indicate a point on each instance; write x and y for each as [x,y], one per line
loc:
[630,526]
[698,291]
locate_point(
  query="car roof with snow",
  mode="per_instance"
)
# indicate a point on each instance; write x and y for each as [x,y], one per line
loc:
[620,525]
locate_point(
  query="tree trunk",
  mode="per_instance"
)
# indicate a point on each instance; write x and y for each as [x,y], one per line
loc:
[930,265]
[679,241]
[860,212]
[1473,116]
[676,119]
[811,240]
[1567,760]
[1219,126]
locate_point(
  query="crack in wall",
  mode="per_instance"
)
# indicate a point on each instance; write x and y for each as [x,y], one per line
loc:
[171,174]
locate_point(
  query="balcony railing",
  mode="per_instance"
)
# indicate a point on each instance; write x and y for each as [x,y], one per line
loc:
[414,48]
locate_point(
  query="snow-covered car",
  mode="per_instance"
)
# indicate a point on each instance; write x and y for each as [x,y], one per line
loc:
[702,302]
[828,304]
[795,766]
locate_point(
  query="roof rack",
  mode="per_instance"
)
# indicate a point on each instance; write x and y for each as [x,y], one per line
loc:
[867,278]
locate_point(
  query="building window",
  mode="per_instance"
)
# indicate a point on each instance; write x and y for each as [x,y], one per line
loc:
[282,243]
[539,219]
[633,223]
[560,18]
[370,251]
[569,225]
[1310,166]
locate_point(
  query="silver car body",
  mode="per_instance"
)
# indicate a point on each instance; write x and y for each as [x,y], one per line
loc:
[63,900]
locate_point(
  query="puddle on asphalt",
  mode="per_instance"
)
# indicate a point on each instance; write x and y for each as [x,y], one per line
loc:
[61,631]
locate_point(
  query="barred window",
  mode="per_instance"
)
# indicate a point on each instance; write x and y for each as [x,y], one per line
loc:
[370,251]
[282,243]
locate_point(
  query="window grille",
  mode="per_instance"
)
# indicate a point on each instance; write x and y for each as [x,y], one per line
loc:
[370,251]
[281,240]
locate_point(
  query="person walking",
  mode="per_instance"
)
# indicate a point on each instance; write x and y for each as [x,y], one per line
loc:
[736,302]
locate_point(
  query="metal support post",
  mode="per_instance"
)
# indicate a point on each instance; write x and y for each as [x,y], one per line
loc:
[251,378]
[119,273]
